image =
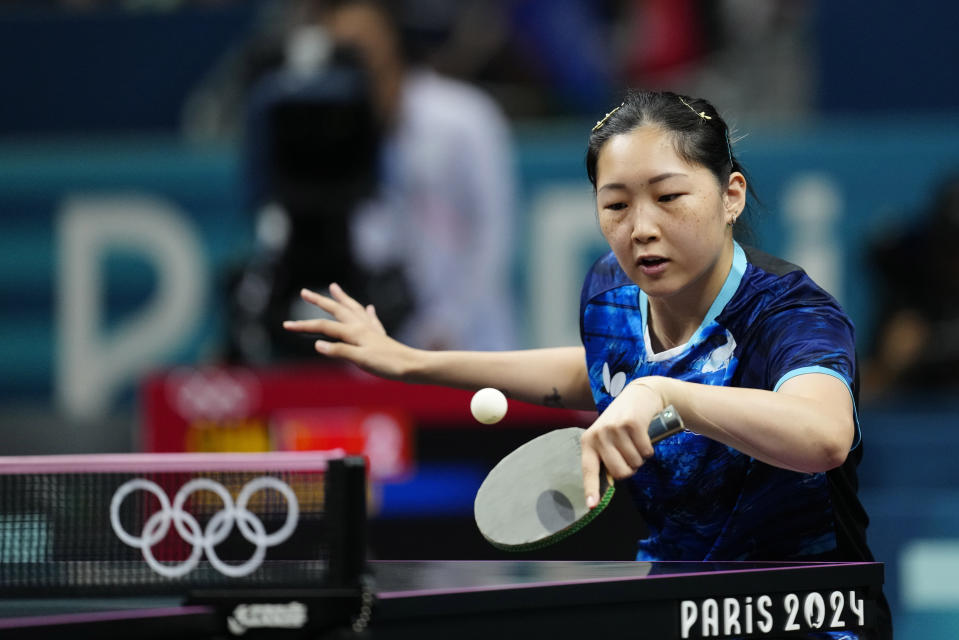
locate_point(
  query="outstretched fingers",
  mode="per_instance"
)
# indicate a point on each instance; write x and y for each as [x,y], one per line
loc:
[330,328]
[345,299]
[338,304]
[343,309]
[353,332]
[327,303]
[342,350]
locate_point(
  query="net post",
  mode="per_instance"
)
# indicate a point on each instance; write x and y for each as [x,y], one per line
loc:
[346,520]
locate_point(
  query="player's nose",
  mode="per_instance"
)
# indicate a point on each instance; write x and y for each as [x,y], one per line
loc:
[644,226]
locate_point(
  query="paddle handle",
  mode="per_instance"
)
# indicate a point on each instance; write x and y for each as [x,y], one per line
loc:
[666,423]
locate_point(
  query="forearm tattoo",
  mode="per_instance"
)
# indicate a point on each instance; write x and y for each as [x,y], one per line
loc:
[554,400]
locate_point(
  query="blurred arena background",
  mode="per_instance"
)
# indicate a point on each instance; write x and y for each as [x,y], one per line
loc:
[157,193]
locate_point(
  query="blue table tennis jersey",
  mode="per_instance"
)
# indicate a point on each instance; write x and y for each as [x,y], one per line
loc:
[701,499]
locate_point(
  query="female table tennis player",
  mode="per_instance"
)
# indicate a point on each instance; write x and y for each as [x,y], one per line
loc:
[758,360]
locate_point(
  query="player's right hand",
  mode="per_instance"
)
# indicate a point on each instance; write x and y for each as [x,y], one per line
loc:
[619,438]
[361,337]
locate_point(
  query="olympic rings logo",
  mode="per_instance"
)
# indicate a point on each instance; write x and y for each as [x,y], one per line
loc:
[217,529]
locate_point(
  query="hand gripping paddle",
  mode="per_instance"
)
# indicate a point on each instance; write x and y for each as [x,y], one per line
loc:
[535,496]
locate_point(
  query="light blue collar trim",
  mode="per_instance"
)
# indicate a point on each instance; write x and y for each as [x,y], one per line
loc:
[736,273]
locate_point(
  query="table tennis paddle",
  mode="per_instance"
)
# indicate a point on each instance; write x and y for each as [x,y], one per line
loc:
[535,496]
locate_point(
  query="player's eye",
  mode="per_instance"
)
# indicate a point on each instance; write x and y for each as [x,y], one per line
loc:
[669,197]
[615,206]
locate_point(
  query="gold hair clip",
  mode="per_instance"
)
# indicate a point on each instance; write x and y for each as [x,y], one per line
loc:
[606,117]
[701,114]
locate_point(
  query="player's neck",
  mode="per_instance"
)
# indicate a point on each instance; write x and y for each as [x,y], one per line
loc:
[672,321]
[666,331]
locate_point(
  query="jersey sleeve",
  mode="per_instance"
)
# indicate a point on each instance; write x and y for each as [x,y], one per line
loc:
[603,275]
[809,334]
[803,338]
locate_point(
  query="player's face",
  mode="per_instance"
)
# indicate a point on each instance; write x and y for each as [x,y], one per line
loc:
[665,219]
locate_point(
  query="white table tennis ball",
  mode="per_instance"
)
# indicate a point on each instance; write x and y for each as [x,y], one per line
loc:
[488,405]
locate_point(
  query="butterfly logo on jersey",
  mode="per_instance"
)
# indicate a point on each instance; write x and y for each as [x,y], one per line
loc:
[613,384]
[720,356]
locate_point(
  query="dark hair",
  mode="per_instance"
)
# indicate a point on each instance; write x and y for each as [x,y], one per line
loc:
[700,134]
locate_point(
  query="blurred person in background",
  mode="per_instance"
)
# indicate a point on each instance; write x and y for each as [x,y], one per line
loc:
[916,348]
[445,207]
[440,217]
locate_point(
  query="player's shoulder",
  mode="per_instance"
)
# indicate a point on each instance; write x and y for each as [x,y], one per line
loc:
[605,275]
[769,263]
[769,276]
[773,288]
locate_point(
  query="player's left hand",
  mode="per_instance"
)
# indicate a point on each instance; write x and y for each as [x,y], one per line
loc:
[358,333]
[619,438]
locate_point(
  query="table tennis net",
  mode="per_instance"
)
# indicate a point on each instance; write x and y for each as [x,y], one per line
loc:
[169,524]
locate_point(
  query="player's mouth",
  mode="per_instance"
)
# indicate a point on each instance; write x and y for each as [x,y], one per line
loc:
[652,265]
